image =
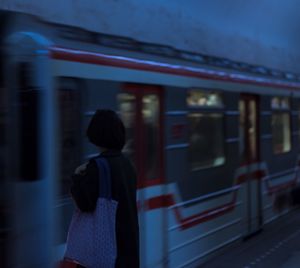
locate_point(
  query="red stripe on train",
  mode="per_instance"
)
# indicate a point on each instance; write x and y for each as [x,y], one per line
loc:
[160,202]
[188,222]
[254,175]
[204,216]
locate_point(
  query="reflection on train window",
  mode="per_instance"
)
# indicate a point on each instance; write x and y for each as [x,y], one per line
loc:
[127,106]
[70,130]
[199,98]
[281,132]
[150,113]
[280,103]
[206,140]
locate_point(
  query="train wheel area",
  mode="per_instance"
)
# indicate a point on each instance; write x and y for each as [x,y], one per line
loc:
[277,246]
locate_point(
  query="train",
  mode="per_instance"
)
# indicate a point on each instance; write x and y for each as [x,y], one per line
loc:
[214,141]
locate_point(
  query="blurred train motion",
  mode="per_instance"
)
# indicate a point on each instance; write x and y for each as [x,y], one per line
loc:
[214,141]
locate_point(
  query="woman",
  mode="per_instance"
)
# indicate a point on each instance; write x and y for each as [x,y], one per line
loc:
[107,132]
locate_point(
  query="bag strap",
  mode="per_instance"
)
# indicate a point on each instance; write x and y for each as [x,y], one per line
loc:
[104,178]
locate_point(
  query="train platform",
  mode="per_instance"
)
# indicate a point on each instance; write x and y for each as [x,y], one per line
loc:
[276,246]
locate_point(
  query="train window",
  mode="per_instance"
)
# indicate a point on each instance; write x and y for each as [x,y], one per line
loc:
[206,132]
[199,98]
[242,127]
[127,106]
[252,131]
[280,103]
[281,125]
[140,110]
[281,132]
[69,130]
[150,113]
[206,138]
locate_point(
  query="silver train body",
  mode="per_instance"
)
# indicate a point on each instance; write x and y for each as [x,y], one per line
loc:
[214,141]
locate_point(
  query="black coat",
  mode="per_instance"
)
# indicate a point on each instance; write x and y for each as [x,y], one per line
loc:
[85,192]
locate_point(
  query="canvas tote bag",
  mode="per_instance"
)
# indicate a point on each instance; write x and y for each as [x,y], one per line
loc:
[91,238]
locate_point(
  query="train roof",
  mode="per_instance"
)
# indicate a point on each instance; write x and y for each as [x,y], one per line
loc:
[70,34]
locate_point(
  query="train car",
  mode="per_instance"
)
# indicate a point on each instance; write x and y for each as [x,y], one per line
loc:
[214,141]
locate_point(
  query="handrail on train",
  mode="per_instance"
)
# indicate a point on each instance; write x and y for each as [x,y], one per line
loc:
[279,174]
[206,197]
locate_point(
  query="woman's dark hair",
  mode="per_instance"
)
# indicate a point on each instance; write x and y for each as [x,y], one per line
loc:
[106,130]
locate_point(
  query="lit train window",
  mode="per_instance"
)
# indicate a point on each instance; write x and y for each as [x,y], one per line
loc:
[69,130]
[199,98]
[248,121]
[150,125]
[281,132]
[206,137]
[280,103]
[141,111]
[252,131]
[242,127]
[206,129]
[150,113]
[281,125]
[127,106]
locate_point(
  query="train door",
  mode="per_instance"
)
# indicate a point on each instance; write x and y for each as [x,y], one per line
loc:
[249,155]
[141,111]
